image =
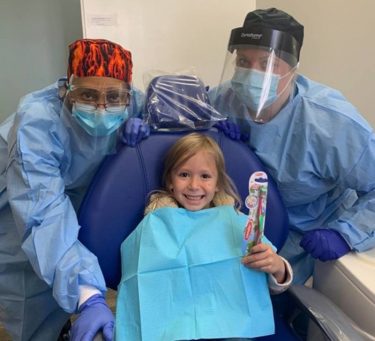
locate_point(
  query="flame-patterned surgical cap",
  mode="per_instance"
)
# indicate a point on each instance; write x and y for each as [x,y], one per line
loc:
[99,57]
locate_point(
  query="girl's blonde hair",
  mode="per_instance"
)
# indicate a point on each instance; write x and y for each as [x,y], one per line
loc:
[189,145]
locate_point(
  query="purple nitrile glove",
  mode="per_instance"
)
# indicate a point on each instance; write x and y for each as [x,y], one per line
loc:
[230,129]
[94,316]
[324,244]
[134,130]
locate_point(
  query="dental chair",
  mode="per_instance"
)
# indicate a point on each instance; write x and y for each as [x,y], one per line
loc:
[118,194]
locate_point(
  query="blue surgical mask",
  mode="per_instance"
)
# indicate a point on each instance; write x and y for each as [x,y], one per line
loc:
[98,122]
[257,89]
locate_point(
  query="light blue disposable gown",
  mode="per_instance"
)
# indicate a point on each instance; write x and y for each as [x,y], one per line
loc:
[321,153]
[46,163]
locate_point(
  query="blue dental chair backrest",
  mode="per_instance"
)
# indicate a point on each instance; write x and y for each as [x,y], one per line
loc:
[114,203]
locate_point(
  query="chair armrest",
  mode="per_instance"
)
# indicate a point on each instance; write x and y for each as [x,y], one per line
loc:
[330,319]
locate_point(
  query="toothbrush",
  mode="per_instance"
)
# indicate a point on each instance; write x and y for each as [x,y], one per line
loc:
[256,202]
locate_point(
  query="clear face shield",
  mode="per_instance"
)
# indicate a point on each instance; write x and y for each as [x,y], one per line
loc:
[94,109]
[260,70]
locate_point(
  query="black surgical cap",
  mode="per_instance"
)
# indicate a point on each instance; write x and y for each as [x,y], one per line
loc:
[270,28]
[275,19]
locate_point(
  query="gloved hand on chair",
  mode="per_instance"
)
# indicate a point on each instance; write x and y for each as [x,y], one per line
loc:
[231,130]
[94,316]
[134,131]
[325,244]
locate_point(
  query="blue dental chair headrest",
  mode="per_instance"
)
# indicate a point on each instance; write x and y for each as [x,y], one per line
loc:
[114,203]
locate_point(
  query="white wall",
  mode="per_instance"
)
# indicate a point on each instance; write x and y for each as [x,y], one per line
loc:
[33,45]
[339,46]
[168,35]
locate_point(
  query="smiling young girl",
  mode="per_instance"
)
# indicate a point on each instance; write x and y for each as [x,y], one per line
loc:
[184,274]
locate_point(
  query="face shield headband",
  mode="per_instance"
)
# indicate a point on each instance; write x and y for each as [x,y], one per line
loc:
[285,44]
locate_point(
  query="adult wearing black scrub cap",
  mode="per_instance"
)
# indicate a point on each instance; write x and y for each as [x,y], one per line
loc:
[314,143]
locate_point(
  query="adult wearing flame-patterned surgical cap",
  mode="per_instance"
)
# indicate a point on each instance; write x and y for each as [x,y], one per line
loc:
[52,146]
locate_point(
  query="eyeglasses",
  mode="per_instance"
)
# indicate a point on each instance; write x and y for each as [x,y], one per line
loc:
[109,98]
